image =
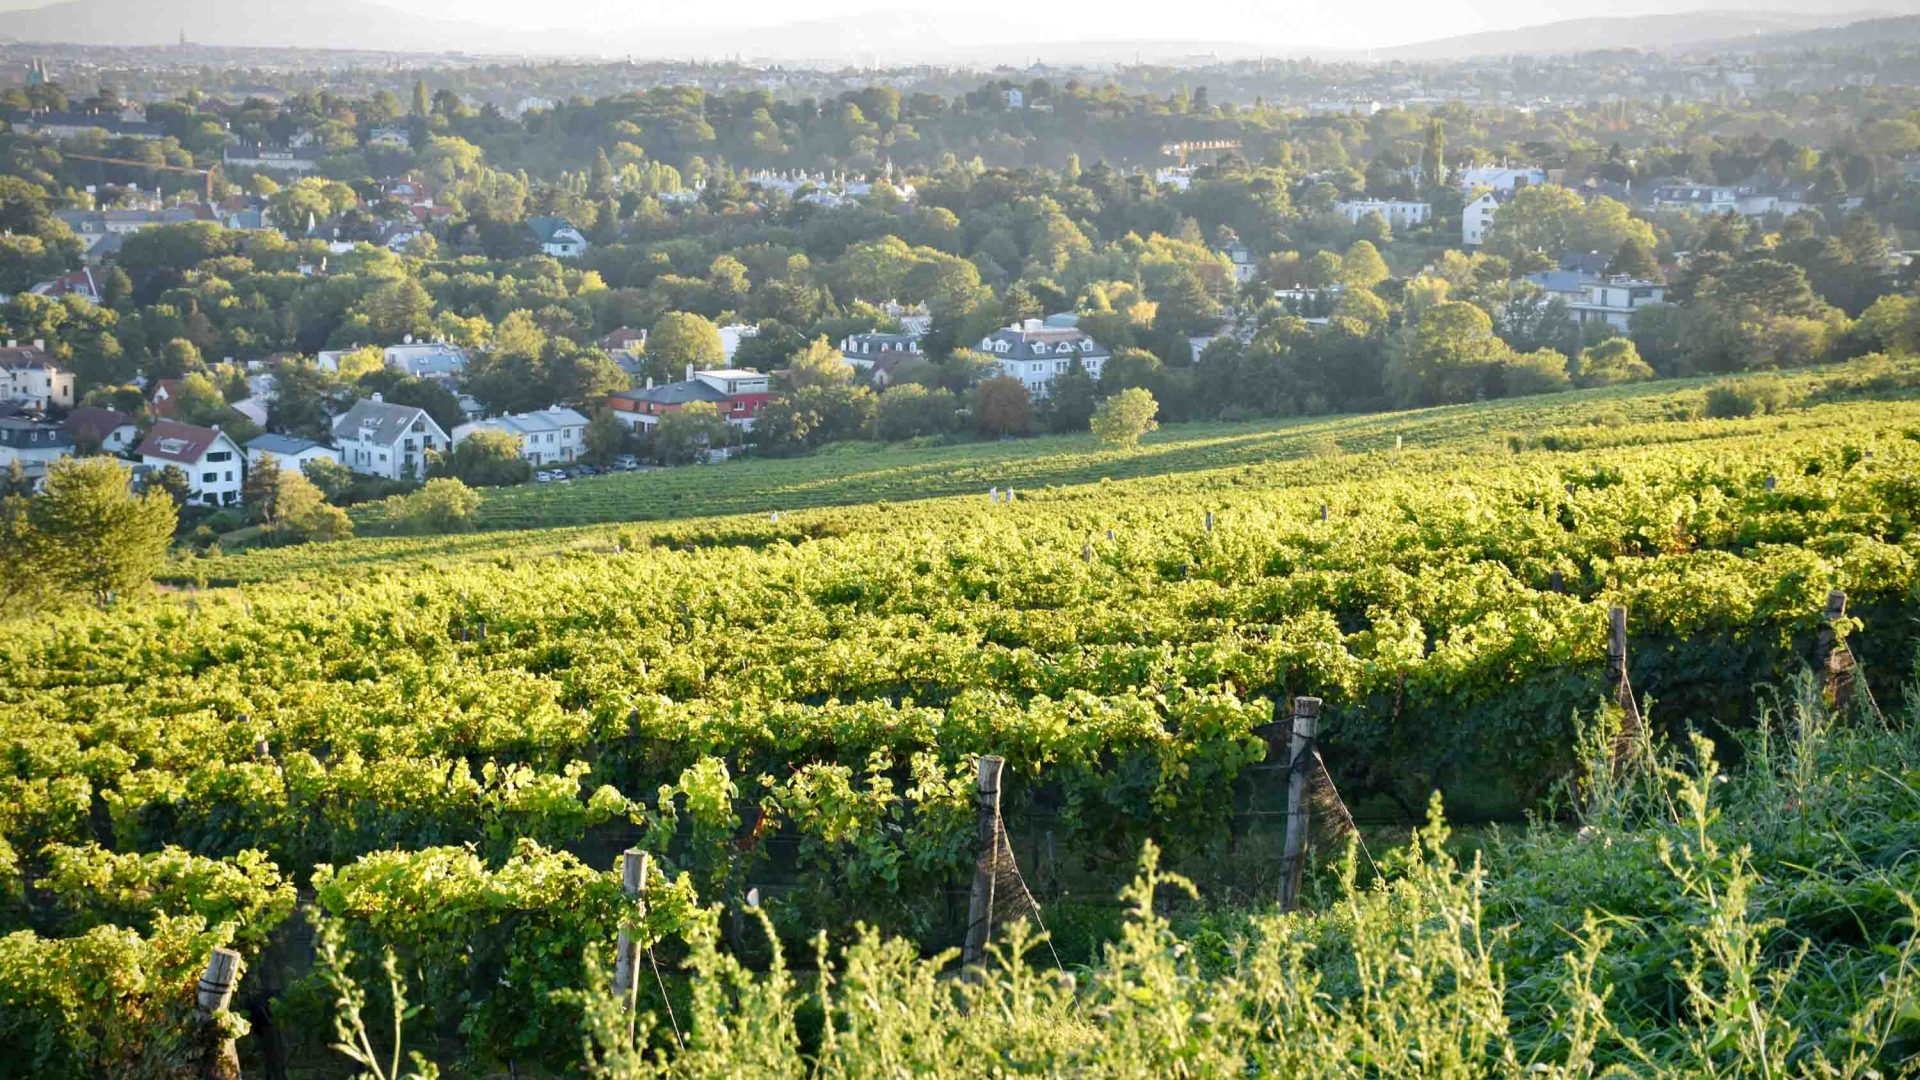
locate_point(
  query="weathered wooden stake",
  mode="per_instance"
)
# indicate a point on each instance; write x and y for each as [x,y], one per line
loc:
[1209,521]
[1109,536]
[987,833]
[1831,658]
[1086,552]
[1620,685]
[626,962]
[1323,511]
[1557,581]
[215,994]
[1293,863]
[1770,483]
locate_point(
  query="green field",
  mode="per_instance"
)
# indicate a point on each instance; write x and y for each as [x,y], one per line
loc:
[438,745]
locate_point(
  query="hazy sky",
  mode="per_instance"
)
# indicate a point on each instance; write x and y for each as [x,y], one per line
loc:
[1339,23]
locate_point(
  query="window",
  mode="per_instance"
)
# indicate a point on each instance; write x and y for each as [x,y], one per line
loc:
[209,478]
[220,455]
[229,478]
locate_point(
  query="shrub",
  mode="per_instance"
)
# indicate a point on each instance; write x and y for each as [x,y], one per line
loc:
[1747,397]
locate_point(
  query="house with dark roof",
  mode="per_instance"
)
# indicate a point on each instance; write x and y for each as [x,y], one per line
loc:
[32,442]
[214,464]
[557,237]
[279,157]
[109,431]
[391,441]
[31,377]
[1037,351]
[290,452]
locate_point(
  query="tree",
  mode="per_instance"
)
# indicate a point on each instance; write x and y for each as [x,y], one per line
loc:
[819,364]
[484,458]
[682,339]
[1634,259]
[199,401]
[1362,267]
[92,535]
[1447,357]
[909,410]
[332,478]
[1071,399]
[291,508]
[443,504]
[1002,406]
[1123,418]
[1614,360]
[605,437]
[687,433]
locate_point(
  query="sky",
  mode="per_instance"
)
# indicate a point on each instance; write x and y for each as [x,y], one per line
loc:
[1331,23]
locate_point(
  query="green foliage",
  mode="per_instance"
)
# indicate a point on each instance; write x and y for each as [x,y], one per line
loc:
[484,458]
[1123,418]
[87,536]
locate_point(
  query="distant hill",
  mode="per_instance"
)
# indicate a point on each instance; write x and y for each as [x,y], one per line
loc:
[1632,32]
[880,39]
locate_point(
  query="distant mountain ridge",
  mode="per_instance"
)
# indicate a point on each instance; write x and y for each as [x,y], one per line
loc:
[884,39]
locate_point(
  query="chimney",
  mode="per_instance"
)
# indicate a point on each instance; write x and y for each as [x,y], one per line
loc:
[12,344]
[377,399]
[649,382]
[689,372]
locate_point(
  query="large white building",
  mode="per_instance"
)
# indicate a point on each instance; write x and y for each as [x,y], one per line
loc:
[1399,213]
[390,441]
[1505,179]
[215,465]
[1036,352]
[32,378]
[550,436]
[427,360]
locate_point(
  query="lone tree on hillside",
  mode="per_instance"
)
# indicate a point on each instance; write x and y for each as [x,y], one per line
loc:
[92,536]
[1123,418]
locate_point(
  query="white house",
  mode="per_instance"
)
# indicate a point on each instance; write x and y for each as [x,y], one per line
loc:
[390,441]
[291,453]
[548,437]
[1246,265]
[111,430]
[1035,352]
[213,462]
[1399,213]
[557,237]
[1477,217]
[1614,300]
[31,377]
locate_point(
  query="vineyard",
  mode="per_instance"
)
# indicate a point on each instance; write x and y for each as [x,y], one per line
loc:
[440,745]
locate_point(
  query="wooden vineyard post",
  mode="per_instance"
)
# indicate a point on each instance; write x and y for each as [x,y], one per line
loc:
[1620,684]
[222,1060]
[1831,658]
[626,964]
[987,831]
[1306,728]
